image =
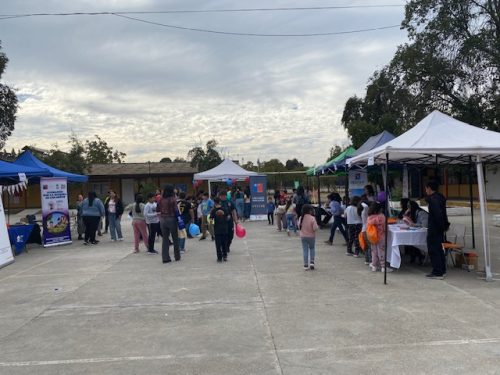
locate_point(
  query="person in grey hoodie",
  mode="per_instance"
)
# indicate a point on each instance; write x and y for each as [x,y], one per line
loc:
[92,211]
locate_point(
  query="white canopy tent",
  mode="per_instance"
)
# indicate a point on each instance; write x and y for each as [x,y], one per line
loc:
[440,139]
[225,170]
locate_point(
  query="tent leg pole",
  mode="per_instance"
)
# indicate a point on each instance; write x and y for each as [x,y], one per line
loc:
[482,204]
[387,208]
[471,203]
[319,194]
[209,190]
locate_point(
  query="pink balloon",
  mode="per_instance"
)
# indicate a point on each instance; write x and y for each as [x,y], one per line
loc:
[240,231]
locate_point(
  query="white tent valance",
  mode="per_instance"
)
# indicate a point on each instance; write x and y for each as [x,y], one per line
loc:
[225,170]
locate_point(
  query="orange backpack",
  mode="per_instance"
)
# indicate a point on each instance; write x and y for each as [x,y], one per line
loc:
[372,233]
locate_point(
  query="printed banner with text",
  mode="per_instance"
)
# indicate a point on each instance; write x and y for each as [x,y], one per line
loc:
[56,224]
[258,190]
[6,256]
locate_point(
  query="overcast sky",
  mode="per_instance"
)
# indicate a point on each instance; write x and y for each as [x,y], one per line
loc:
[153,91]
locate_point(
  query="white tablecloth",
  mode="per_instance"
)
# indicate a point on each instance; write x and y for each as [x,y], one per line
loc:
[397,237]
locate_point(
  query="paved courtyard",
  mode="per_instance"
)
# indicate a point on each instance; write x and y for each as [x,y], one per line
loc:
[105,310]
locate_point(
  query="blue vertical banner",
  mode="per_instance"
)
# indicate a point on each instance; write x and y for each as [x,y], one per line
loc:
[55,212]
[258,189]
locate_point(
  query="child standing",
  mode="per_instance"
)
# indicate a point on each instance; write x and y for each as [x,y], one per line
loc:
[363,212]
[354,226]
[219,215]
[152,221]
[377,219]
[138,222]
[290,217]
[308,227]
[270,210]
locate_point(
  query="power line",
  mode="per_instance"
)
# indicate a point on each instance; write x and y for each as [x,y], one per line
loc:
[254,34]
[7,16]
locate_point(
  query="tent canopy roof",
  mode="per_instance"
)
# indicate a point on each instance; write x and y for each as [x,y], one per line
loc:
[226,169]
[374,141]
[438,138]
[10,171]
[338,161]
[29,160]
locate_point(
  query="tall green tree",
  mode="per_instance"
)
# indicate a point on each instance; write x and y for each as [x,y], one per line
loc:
[8,104]
[451,63]
[97,151]
[294,165]
[205,159]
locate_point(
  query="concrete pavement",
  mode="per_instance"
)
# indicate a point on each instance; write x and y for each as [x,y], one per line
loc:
[104,310]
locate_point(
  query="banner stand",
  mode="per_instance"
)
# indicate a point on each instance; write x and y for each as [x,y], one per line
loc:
[6,255]
[258,190]
[55,211]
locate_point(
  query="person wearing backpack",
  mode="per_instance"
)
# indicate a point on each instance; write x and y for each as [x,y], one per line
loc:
[375,231]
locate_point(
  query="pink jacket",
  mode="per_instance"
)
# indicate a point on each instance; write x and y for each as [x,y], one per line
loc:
[308,226]
[379,222]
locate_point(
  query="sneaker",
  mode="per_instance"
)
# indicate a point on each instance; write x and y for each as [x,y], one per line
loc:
[120,239]
[80,238]
[311,266]
[366,263]
[355,256]
[85,243]
[224,259]
[306,267]
[329,243]
[432,276]
[202,238]
[373,268]
[94,242]
[113,240]
[167,261]
[135,251]
[349,254]
[219,260]
[388,270]
[152,252]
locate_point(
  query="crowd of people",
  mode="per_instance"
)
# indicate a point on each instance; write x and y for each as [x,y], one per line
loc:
[167,214]
[361,220]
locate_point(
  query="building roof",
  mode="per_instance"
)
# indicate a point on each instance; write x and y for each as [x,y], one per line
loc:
[131,169]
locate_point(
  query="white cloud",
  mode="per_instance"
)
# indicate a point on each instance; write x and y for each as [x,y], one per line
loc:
[153,92]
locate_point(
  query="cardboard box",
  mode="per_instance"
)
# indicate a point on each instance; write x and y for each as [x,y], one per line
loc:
[472,261]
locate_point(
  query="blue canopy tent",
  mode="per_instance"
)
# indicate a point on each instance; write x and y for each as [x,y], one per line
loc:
[29,160]
[9,172]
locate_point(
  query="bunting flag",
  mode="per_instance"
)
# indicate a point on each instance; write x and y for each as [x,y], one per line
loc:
[14,189]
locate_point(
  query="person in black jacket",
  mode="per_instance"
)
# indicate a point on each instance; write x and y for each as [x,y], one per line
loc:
[438,224]
[219,215]
[114,208]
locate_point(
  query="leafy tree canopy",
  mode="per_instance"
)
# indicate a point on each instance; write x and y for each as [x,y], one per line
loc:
[8,104]
[205,159]
[451,63]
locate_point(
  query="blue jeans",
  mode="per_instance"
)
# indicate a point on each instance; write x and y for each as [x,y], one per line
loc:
[239,203]
[308,249]
[115,226]
[290,223]
[182,244]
